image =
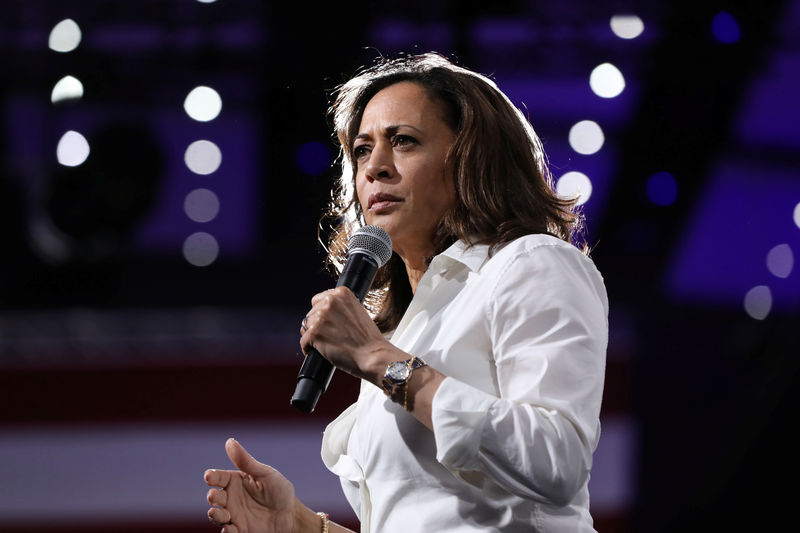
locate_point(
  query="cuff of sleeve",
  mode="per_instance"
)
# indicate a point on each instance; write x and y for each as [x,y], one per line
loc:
[459,414]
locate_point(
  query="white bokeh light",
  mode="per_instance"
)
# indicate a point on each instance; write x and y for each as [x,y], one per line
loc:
[575,184]
[203,157]
[607,81]
[201,205]
[797,215]
[758,302]
[200,249]
[586,137]
[203,104]
[780,261]
[72,149]
[67,88]
[627,26]
[65,36]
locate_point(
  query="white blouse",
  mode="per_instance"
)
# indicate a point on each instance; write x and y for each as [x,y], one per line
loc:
[522,338]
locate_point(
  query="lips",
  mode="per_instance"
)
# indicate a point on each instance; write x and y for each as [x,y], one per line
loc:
[379,200]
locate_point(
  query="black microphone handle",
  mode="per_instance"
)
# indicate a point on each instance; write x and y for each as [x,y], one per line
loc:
[316,373]
[314,377]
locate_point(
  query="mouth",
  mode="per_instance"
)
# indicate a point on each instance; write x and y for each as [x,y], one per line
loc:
[380,200]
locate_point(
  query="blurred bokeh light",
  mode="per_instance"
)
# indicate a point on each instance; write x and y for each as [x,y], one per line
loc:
[758,302]
[662,189]
[575,185]
[65,36]
[203,157]
[201,205]
[627,26]
[725,28]
[203,104]
[200,249]
[72,149]
[586,137]
[607,81]
[68,88]
[780,260]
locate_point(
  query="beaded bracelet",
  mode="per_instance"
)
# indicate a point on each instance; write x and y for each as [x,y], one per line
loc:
[324,518]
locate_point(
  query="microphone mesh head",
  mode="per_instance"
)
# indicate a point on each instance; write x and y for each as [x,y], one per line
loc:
[372,240]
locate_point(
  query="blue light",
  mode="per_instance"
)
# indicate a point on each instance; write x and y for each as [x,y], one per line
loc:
[725,28]
[662,188]
[313,158]
[738,217]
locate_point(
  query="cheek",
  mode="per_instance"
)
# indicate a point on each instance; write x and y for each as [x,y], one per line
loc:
[445,201]
[444,195]
[360,195]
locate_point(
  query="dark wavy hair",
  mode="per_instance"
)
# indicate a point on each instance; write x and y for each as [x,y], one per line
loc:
[504,189]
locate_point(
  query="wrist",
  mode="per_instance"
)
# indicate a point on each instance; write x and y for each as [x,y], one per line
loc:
[397,379]
[380,359]
[305,520]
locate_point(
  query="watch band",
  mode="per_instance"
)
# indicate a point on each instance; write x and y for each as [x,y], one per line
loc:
[395,380]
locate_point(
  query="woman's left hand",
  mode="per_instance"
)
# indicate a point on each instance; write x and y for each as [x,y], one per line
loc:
[340,328]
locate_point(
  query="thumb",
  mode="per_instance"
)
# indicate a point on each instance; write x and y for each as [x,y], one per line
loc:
[243,460]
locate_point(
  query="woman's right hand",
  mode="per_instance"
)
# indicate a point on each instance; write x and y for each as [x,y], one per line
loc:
[255,498]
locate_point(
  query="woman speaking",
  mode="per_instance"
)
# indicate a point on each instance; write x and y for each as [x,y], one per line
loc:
[481,349]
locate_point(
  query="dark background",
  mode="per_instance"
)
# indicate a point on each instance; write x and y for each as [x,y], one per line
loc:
[123,330]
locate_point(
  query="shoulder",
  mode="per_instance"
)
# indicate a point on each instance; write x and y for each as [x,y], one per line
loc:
[540,261]
[541,249]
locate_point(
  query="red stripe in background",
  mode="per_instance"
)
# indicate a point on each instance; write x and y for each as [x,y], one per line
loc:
[191,392]
[186,391]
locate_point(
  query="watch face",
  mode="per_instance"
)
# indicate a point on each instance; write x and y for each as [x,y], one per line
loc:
[397,371]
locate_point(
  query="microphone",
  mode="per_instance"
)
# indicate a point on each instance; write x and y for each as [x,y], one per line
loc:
[368,249]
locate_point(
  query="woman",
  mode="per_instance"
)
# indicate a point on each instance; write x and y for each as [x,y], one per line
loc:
[482,364]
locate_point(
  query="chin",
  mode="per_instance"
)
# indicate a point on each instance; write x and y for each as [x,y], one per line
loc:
[382,222]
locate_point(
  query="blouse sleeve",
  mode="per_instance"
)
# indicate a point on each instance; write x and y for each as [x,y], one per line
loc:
[548,325]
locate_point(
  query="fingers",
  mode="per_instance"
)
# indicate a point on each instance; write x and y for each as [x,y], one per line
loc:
[322,305]
[217,478]
[217,497]
[327,295]
[219,516]
[243,460]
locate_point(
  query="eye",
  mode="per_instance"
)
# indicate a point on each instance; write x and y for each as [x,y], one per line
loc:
[401,141]
[360,151]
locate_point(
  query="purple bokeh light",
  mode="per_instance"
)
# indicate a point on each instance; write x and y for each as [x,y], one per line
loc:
[662,189]
[739,218]
[725,28]
[313,158]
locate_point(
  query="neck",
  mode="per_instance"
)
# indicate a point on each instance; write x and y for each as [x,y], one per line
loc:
[415,274]
[416,265]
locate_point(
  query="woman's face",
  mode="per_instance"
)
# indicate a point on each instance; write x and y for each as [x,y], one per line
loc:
[402,180]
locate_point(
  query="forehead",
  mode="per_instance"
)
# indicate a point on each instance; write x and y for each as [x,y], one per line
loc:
[402,102]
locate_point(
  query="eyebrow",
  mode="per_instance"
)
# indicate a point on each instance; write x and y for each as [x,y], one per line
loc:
[389,130]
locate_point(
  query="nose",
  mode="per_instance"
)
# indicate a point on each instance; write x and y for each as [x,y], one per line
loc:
[380,165]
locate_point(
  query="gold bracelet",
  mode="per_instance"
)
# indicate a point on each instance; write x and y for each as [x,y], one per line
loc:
[405,388]
[324,517]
